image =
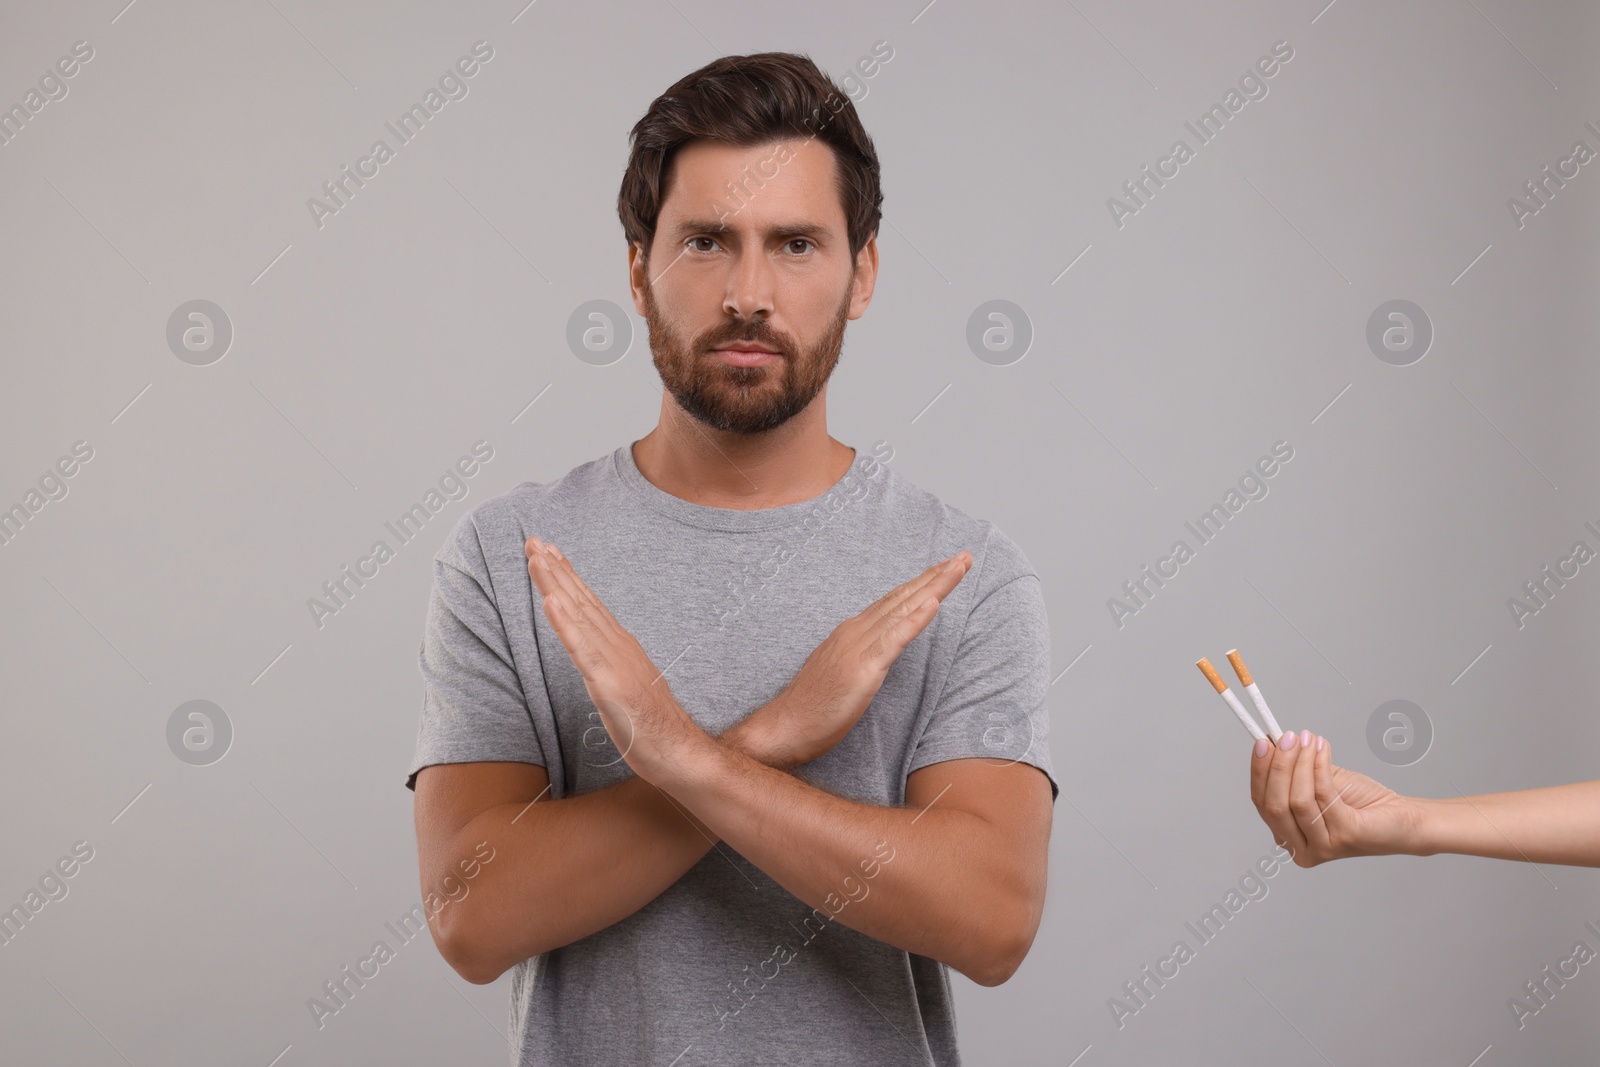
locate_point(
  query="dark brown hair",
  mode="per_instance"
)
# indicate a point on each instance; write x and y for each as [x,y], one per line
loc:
[751,100]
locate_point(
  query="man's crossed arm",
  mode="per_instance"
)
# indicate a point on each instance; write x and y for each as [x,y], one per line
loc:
[957,874]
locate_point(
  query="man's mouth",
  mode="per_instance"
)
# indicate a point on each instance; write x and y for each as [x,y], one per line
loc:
[745,354]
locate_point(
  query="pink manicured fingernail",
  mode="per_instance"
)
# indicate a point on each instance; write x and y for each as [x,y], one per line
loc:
[1305,738]
[1319,742]
[1286,742]
[1263,746]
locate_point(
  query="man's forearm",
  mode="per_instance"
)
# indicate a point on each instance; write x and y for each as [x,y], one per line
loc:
[565,869]
[939,881]
[1558,824]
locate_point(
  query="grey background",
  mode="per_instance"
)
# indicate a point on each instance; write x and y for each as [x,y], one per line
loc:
[369,354]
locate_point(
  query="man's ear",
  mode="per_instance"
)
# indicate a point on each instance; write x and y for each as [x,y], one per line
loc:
[864,277]
[638,274]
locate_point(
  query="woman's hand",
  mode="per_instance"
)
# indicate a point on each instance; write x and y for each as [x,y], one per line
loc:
[1321,812]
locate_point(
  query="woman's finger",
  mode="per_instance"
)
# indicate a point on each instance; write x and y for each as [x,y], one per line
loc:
[1328,802]
[1275,799]
[1303,795]
[1260,764]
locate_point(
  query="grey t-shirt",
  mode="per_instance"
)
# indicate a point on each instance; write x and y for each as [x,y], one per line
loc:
[726,966]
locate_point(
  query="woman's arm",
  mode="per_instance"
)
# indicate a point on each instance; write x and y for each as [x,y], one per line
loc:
[1322,812]
[1557,824]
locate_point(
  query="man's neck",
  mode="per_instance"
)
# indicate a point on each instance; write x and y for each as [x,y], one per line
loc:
[795,462]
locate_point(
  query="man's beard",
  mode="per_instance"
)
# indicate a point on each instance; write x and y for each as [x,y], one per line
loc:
[742,400]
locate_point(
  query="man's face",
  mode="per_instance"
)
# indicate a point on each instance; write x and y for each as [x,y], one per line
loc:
[762,262]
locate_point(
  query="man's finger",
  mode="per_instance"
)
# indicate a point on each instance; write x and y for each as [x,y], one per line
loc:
[934,572]
[908,590]
[586,603]
[550,575]
[895,606]
[539,569]
[890,635]
[551,581]
[563,569]
[899,626]
[575,636]
[580,621]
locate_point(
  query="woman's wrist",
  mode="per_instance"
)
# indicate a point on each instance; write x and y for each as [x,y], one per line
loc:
[1437,826]
[1420,827]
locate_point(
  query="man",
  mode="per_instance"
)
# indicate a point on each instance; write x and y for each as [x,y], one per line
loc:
[752,764]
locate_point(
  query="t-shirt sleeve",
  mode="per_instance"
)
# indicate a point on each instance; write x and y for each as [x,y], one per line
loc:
[473,706]
[993,703]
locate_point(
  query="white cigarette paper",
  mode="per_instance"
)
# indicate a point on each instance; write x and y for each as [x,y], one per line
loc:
[1273,729]
[1227,694]
[1250,687]
[1244,716]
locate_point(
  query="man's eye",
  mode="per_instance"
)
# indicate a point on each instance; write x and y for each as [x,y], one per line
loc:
[800,241]
[692,240]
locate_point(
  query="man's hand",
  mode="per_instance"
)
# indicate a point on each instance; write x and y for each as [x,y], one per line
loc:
[1322,812]
[964,890]
[841,676]
[638,710]
[812,714]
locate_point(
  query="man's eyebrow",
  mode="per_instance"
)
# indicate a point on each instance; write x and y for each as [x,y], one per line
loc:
[720,226]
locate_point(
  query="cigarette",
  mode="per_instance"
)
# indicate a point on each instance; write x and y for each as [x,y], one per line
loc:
[1227,694]
[1273,729]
